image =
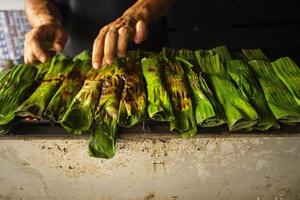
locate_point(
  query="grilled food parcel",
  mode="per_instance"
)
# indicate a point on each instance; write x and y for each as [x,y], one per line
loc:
[188,89]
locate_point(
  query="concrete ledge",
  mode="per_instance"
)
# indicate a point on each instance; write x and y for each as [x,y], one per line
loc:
[204,167]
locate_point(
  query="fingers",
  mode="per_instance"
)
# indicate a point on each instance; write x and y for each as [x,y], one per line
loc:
[141,32]
[98,49]
[124,37]
[60,39]
[110,47]
[113,40]
[34,52]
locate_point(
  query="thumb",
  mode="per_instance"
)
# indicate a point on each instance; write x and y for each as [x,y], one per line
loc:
[60,39]
[141,33]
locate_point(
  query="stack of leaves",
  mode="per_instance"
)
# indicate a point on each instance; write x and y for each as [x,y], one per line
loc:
[243,77]
[279,99]
[37,103]
[289,73]
[241,116]
[102,143]
[208,112]
[159,105]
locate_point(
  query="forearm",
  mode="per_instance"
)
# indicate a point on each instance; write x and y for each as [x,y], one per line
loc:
[41,12]
[149,10]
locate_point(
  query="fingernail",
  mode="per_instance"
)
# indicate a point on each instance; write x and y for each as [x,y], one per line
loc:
[96,65]
[109,61]
[43,59]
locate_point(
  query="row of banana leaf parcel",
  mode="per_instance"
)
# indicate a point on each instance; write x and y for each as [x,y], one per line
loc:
[188,89]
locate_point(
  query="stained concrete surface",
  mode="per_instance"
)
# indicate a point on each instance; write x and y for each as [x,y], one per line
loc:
[166,168]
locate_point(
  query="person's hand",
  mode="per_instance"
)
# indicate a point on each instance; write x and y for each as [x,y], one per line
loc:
[113,39]
[34,46]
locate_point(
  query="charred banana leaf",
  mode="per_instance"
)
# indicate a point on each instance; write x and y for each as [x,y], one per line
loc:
[184,120]
[289,73]
[243,77]
[80,114]
[67,91]
[159,105]
[102,143]
[133,105]
[279,98]
[36,104]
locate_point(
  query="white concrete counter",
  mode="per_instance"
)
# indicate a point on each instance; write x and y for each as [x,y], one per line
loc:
[234,167]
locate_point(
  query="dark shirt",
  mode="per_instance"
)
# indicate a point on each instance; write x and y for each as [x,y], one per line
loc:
[83,19]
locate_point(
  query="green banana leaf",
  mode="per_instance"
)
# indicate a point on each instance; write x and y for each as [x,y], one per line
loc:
[68,90]
[133,105]
[83,56]
[14,90]
[159,105]
[5,69]
[255,54]
[222,51]
[289,73]
[280,100]
[240,115]
[80,114]
[169,53]
[244,78]
[208,112]
[43,69]
[184,120]
[201,53]
[36,104]
[102,143]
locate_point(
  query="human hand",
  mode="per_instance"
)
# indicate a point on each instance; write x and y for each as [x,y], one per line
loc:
[34,48]
[113,39]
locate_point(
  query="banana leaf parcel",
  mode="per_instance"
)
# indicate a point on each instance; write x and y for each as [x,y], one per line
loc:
[159,105]
[80,114]
[184,120]
[244,78]
[37,103]
[15,89]
[241,116]
[104,129]
[279,98]
[289,73]
[208,112]
[67,91]
[133,105]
